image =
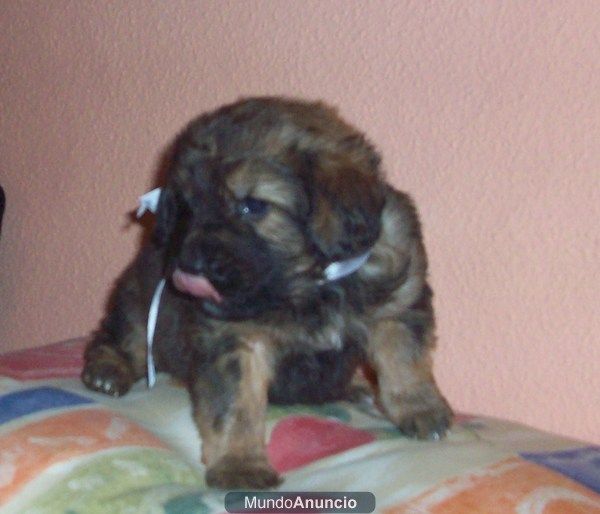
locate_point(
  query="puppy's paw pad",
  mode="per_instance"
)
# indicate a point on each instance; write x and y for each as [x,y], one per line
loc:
[237,473]
[431,423]
[107,378]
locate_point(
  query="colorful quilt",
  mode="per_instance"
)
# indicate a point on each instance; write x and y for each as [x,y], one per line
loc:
[64,449]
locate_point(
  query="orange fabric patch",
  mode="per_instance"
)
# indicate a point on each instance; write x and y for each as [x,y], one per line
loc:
[30,449]
[510,486]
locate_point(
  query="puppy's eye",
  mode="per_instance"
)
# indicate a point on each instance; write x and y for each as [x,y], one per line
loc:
[254,207]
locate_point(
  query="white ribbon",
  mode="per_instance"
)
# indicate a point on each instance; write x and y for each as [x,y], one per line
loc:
[151,327]
[148,202]
[341,269]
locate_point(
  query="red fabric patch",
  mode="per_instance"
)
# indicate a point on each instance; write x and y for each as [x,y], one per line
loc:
[59,360]
[299,440]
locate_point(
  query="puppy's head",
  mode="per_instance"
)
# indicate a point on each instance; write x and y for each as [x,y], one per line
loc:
[261,197]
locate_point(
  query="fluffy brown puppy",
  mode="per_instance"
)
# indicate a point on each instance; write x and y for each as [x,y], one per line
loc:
[263,200]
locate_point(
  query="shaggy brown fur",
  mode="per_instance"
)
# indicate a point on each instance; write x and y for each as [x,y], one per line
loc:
[261,196]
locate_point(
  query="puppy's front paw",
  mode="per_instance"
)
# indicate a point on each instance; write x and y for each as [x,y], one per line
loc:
[108,377]
[430,423]
[242,473]
[420,416]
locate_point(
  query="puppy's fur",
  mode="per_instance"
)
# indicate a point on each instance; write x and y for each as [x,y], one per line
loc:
[261,196]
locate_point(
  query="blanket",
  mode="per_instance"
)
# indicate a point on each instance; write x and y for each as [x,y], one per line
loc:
[64,449]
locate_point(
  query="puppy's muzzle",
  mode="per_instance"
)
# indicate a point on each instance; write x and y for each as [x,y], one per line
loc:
[205,269]
[217,265]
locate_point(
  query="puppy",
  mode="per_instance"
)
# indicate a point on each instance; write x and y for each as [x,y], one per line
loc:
[288,263]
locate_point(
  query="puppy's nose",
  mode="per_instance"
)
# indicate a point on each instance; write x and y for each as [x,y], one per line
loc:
[193,268]
[191,262]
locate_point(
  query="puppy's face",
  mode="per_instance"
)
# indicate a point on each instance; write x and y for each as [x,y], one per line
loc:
[252,234]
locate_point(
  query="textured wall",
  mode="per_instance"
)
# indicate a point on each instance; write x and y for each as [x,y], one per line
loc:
[487,112]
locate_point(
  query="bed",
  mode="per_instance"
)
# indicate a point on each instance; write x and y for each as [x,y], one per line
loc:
[64,449]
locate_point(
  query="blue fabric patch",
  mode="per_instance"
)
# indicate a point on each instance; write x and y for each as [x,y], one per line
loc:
[581,464]
[28,401]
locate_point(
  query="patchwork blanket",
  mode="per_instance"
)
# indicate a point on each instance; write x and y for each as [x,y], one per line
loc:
[64,449]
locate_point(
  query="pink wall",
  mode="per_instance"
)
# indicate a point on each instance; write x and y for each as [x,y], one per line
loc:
[487,112]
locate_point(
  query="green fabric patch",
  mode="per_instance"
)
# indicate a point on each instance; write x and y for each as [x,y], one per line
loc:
[124,481]
[189,504]
[327,410]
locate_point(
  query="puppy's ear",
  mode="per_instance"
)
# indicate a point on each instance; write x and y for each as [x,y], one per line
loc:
[166,216]
[346,200]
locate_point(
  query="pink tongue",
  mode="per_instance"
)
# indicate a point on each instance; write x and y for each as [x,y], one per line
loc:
[196,285]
